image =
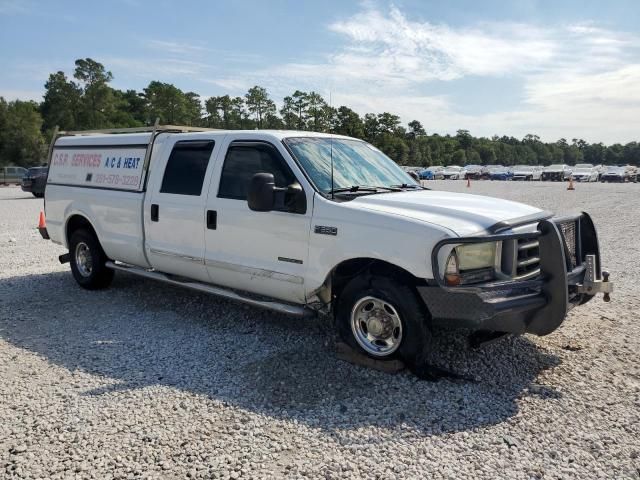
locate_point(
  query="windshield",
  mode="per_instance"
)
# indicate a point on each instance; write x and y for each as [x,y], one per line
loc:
[582,166]
[555,167]
[354,163]
[523,168]
[615,169]
[453,168]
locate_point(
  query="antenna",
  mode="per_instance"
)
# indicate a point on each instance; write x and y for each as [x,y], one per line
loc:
[331,151]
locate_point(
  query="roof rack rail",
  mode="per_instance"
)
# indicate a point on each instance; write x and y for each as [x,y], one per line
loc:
[152,128]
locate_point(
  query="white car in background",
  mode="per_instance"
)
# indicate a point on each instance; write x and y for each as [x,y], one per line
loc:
[557,172]
[585,172]
[454,172]
[527,172]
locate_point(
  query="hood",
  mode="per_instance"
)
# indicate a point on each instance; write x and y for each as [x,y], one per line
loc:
[462,213]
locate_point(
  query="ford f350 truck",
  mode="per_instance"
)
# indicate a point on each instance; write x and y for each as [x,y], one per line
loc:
[305,223]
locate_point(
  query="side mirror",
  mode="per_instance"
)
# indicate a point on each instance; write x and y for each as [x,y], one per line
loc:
[294,199]
[261,195]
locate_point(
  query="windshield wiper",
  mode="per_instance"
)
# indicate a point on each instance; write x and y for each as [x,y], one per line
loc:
[407,185]
[363,188]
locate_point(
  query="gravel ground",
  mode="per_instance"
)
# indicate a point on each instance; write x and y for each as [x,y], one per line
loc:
[144,380]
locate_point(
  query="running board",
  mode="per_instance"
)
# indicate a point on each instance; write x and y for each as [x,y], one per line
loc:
[294,310]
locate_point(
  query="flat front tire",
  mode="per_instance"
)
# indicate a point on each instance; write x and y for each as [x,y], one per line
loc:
[88,261]
[383,318]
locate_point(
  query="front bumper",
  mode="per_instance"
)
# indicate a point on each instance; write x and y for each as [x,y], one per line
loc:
[570,275]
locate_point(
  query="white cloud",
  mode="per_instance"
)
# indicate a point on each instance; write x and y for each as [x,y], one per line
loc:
[578,80]
[175,47]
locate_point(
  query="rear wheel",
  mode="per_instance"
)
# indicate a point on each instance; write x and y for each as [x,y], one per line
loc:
[88,261]
[383,318]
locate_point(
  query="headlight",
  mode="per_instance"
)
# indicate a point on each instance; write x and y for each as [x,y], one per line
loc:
[471,263]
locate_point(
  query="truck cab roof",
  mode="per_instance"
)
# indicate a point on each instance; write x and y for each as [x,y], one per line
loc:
[107,139]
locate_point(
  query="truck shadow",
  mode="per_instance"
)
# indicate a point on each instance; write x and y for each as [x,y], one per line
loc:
[141,333]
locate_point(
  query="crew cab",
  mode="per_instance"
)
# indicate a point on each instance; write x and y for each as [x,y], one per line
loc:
[306,223]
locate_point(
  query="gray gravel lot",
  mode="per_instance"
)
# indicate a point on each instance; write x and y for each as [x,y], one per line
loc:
[147,380]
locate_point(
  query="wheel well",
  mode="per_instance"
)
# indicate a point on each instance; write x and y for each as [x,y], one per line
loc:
[345,271]
[77,222]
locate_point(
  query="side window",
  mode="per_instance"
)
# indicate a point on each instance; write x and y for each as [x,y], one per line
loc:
[186,168]
[11,170]
[243,162]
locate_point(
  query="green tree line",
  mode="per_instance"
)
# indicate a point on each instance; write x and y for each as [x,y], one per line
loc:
[87,101]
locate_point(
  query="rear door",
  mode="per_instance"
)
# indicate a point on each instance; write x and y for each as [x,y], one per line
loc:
[260,252]
[174,209]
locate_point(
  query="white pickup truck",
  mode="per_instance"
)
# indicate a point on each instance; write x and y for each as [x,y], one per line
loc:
[306,223]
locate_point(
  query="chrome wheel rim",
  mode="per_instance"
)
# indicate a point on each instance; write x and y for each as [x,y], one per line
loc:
[376,326]
[84,261]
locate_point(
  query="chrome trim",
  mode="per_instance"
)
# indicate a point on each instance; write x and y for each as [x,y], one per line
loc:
[177,255]
[529,245]
[528,261]
[527,276]
[255,272]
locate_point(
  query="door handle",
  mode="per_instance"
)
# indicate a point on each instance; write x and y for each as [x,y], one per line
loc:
[155,211]
[212,219]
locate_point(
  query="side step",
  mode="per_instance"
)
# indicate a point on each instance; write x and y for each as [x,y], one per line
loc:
[294,310]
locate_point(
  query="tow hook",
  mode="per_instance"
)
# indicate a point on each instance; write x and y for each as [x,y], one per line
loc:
[591,284]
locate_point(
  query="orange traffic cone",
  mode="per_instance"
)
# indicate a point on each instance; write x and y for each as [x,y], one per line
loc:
[42,223]
[468,182]
[42,226]
[571,187]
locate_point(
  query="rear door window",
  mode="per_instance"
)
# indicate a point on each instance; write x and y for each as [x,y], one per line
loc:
[186,168]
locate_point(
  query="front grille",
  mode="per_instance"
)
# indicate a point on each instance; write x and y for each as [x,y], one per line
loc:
[527,258]
[568,231]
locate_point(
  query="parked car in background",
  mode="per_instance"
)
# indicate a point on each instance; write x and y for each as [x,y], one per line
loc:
[556,172]
[486,170]
[632,173]
[12,174]
[35,180]
[432,173]
[502,173]
[527,172]
[585,172]
[474,172]
[454,172]
[615,174]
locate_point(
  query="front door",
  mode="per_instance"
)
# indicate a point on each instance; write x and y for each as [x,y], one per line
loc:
[261,252]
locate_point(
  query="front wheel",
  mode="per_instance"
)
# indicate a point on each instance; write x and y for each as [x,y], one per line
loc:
[383,318]
[88,261]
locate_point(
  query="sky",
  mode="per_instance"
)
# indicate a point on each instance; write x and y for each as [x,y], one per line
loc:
[558,69]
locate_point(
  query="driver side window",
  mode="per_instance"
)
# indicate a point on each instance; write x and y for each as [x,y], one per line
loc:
[242,162]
